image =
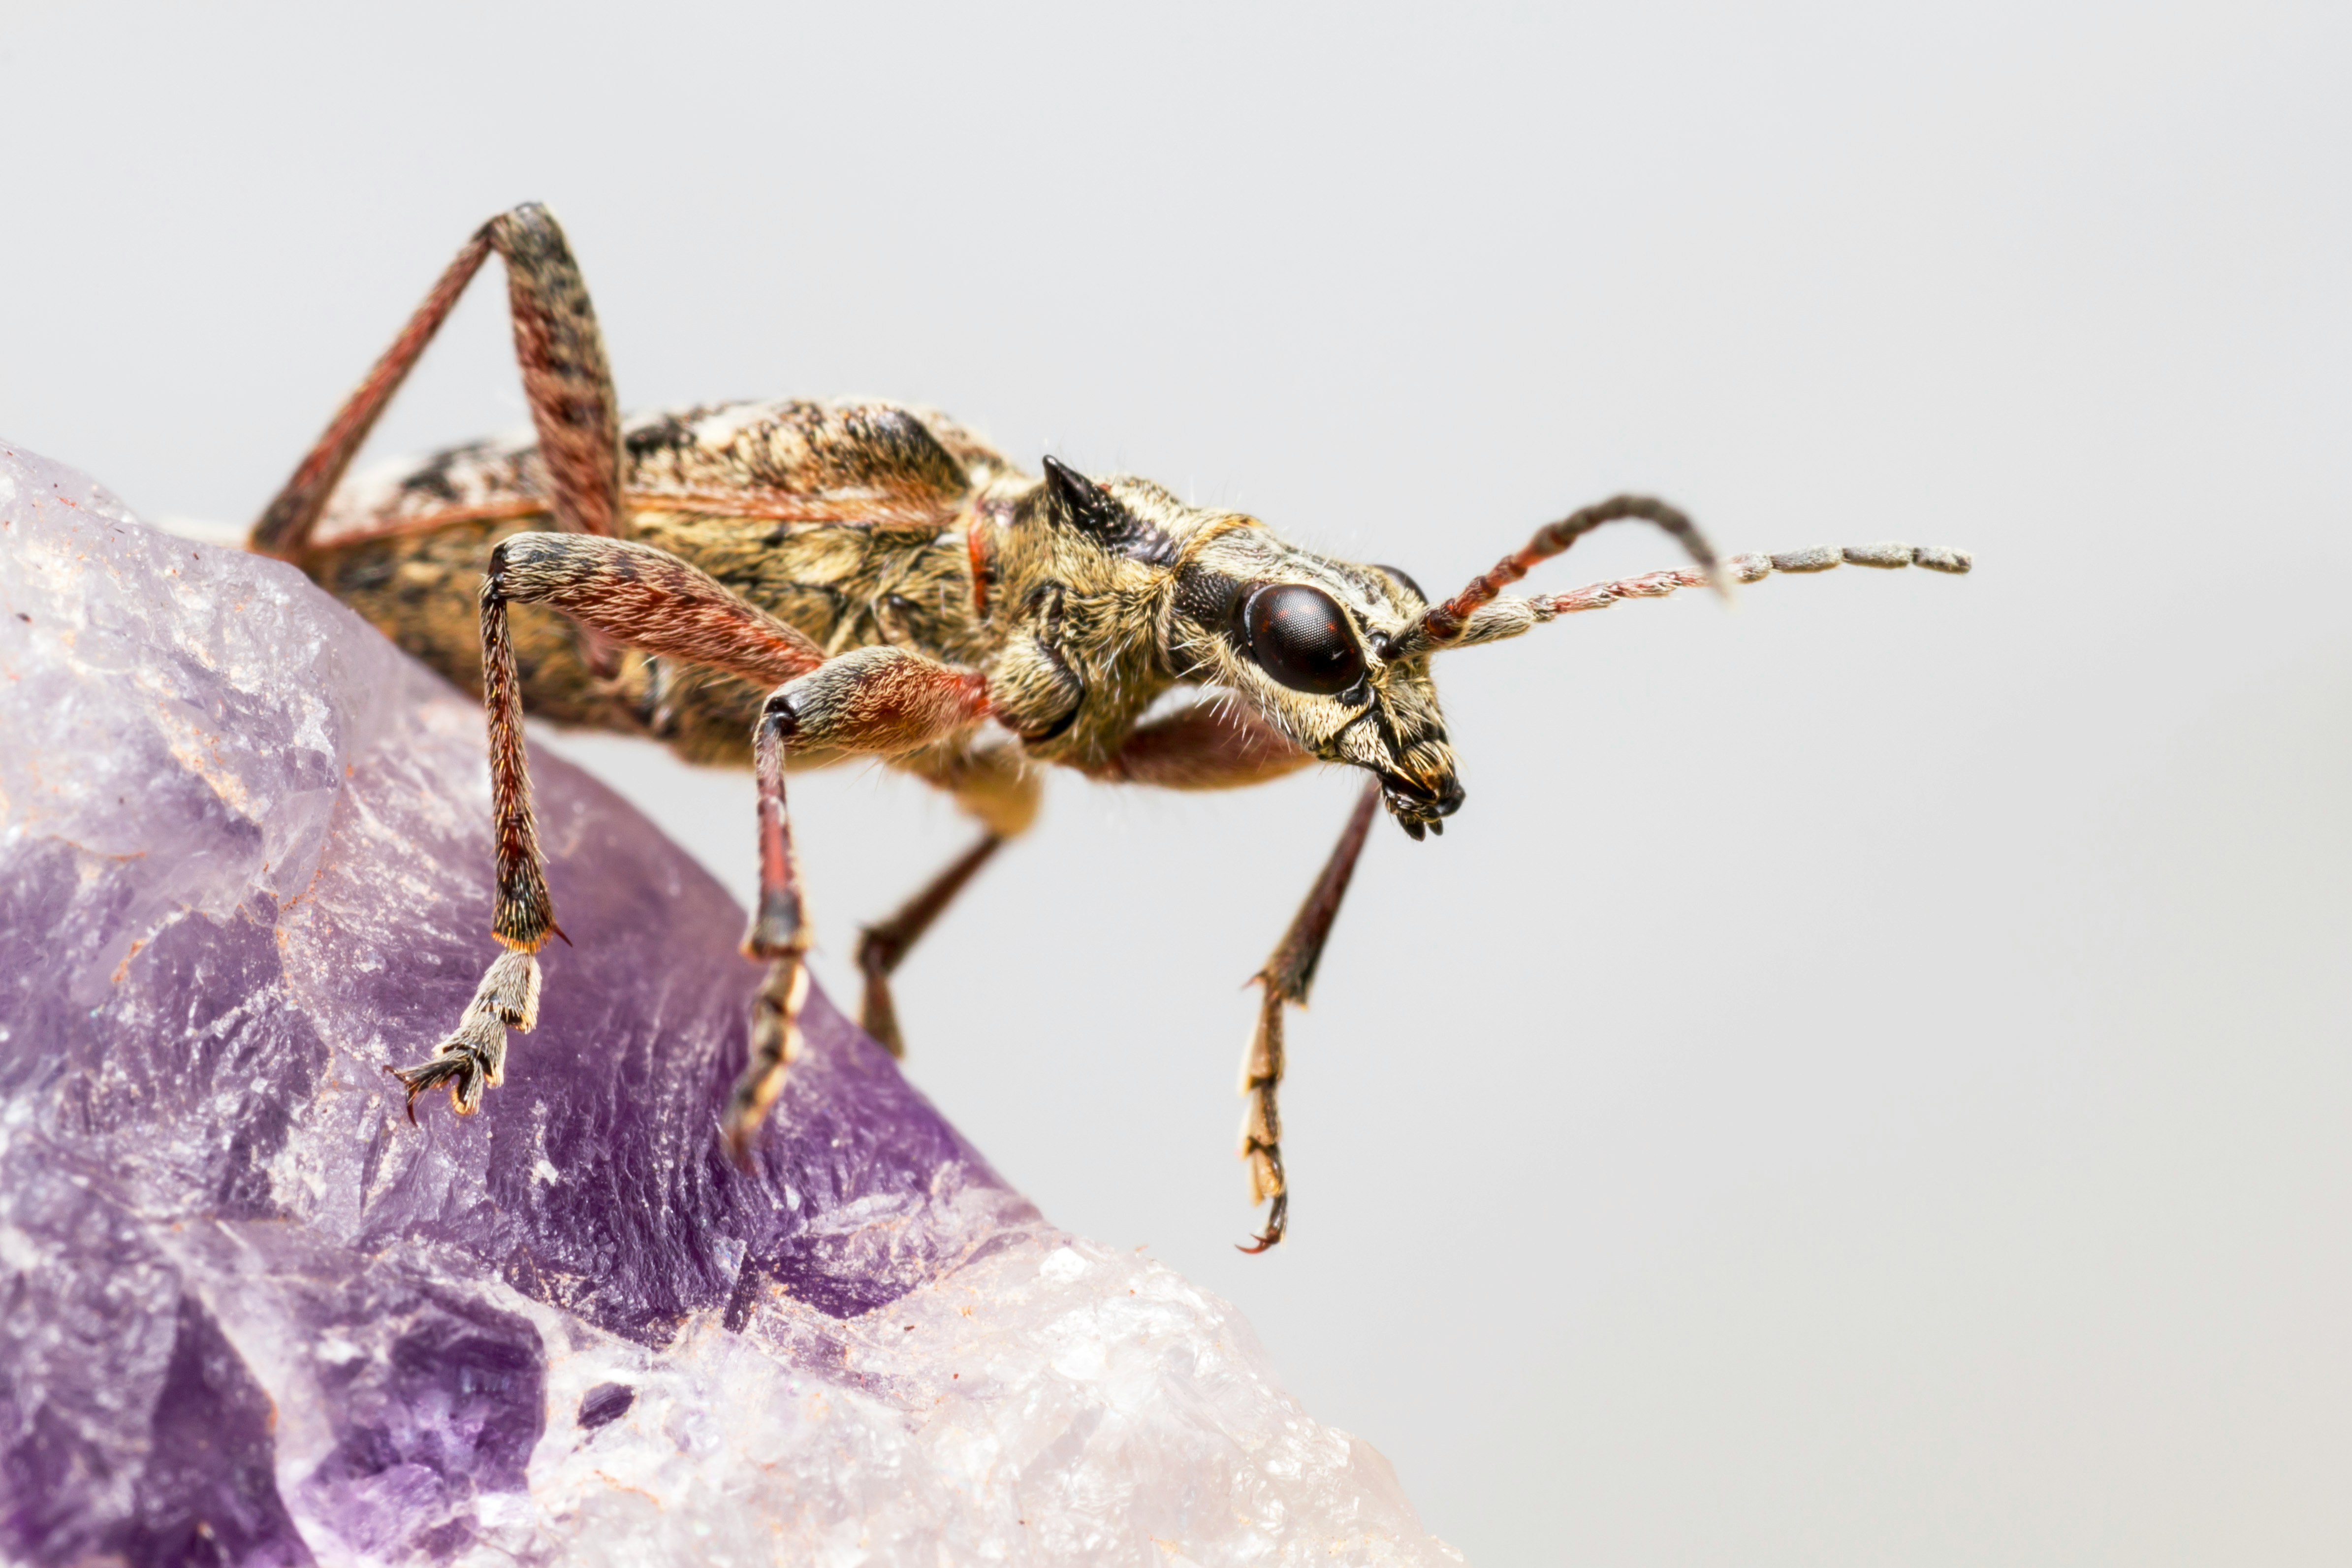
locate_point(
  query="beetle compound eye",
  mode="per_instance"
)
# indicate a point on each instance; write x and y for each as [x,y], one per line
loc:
[1299,635]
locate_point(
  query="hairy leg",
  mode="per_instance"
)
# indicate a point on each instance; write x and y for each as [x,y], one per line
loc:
[637,595]
[1286,980]
[565,377]
[780,935]
[878,700]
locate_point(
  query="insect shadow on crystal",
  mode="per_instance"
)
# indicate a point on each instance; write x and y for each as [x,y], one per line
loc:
[844,579]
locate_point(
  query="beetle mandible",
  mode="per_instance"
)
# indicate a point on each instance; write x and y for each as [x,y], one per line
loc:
[839,579]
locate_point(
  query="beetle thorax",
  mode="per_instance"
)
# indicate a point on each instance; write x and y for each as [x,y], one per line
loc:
[1101,596]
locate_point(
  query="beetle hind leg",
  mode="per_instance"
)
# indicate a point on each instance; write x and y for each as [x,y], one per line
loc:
[634,593]
[566,379]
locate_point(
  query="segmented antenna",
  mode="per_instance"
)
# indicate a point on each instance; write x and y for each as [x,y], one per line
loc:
[1442,624]
[1509,617]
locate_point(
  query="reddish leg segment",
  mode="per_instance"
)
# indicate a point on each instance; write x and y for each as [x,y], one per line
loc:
[1209,746]
[649,599]
[779,934]
[637,595]
[565,378]
[876,700]
[996,787]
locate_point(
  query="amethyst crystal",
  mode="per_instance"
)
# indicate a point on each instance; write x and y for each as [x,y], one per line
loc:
[250,1314]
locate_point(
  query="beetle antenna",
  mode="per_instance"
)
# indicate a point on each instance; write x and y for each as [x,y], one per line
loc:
[1508,616]
[1442,624]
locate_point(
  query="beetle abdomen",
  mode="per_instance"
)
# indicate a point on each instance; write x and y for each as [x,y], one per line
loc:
[841,518]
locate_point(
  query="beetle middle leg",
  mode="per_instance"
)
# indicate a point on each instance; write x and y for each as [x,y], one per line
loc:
[877,700]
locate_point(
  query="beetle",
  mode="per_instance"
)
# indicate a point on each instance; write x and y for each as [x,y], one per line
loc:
[866,579]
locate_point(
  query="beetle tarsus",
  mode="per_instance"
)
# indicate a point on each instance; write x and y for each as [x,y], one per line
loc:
[1277,1221]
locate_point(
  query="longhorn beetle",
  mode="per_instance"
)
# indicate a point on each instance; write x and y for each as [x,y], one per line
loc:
[839,579]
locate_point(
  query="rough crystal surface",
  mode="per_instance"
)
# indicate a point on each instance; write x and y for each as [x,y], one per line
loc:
[248,1314]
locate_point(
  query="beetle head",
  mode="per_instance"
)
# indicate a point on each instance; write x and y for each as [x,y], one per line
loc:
[1308,642]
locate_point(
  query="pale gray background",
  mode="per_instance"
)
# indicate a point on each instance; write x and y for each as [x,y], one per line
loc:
[1865,1077]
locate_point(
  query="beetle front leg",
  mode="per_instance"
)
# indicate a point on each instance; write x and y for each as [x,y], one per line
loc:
[1217,746]
[779,934]
[877,700]
[1286,980]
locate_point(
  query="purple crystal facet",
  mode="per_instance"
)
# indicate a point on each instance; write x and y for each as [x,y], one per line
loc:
[252,1314]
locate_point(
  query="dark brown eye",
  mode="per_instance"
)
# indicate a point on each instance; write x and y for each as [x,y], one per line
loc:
[1300,636]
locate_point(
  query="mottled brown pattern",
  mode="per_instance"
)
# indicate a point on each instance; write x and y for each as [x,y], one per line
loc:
[910,596]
